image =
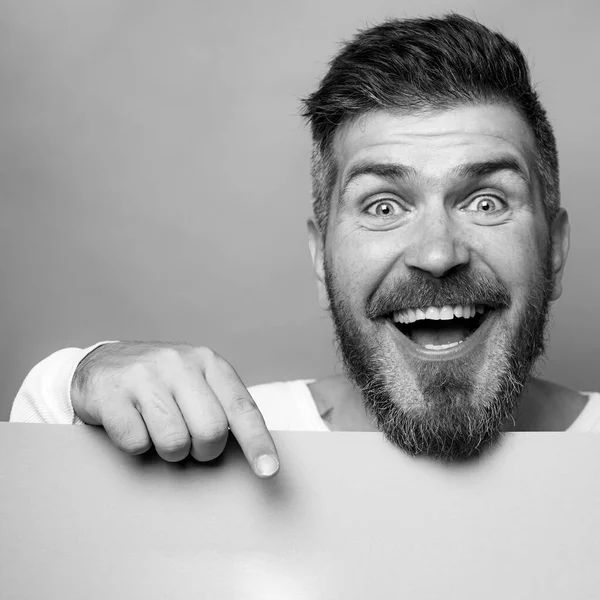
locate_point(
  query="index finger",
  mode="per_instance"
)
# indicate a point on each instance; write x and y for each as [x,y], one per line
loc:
[245,419]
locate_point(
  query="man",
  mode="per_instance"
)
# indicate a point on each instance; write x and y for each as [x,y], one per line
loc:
[438,242]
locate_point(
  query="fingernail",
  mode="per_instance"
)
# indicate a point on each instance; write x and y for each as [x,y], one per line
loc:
[266,465]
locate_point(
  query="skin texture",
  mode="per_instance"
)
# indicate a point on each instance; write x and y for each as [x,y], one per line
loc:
[434,219]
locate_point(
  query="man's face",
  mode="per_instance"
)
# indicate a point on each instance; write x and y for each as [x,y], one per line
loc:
[438,268]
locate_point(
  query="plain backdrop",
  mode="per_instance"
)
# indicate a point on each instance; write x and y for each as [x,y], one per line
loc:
[154,179]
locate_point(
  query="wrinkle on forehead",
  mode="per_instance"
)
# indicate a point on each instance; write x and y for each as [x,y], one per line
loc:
[488,127]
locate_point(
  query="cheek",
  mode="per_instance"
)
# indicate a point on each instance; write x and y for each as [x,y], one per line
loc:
[360,263]
[516,258]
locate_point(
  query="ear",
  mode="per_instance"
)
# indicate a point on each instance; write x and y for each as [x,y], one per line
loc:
[560,234]
[317,253]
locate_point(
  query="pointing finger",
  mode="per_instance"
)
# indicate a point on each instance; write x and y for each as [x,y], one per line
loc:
[245,420]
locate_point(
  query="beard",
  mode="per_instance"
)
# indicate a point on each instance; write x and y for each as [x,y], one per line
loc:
[445,409]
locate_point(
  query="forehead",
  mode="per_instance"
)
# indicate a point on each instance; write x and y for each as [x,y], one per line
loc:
[434,143]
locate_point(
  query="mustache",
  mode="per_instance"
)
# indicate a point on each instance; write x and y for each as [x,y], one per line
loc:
[421,290]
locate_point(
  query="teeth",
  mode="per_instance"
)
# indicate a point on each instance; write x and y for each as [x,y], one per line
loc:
[446,313]
[436,314]
[442,346]
[432,313]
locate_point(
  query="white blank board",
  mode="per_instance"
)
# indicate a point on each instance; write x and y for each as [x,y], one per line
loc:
[349,517]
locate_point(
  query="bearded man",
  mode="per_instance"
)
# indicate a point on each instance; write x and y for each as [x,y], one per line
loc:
[438,243]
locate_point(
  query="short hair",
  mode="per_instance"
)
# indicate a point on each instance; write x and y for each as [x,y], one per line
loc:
[417,65]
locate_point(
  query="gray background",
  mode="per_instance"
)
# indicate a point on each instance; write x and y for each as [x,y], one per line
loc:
[154,174]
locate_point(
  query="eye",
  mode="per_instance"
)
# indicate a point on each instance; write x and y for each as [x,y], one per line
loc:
[386,208]
[486,205]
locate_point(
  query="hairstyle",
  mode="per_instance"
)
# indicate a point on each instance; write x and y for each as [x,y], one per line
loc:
[417,65]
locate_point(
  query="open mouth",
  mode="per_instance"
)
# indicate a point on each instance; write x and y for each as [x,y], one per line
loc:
[441,328]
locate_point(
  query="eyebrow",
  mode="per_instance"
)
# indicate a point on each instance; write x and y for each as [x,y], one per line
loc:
[391,171]
[394,172]
[489,167]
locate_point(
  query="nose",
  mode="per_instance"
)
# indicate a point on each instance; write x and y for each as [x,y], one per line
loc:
[436,246]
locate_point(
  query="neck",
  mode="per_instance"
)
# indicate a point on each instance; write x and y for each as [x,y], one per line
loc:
[340,404]
[546,406]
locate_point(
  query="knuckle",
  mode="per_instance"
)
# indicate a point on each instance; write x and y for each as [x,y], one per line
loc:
[242,405]
[210,433]
[138,372]
[117,424]
[169,355]
[135,444]
[124,433]
[210,360]
[156,406]
[170,360]
[173,442]
[206,355]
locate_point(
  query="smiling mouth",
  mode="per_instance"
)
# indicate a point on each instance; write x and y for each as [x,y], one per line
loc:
[440,328]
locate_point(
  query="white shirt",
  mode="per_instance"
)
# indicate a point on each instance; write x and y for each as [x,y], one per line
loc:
[44,397]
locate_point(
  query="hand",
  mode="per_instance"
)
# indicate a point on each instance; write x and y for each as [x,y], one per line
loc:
[180,398]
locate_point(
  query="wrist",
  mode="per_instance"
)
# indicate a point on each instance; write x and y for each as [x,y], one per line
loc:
[77,381]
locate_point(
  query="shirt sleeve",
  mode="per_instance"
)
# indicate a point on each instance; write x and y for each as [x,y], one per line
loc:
[45,395]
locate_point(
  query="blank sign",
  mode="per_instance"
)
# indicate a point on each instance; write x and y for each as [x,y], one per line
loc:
[349,516]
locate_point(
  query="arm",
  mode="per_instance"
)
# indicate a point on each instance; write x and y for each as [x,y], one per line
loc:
[178,398]
[44,396]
